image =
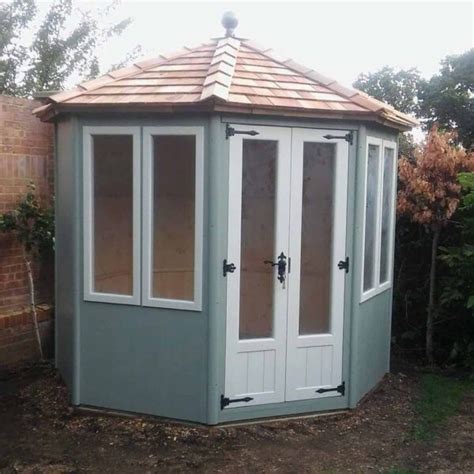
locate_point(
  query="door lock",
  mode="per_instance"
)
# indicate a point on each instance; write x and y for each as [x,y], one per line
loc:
[281,264]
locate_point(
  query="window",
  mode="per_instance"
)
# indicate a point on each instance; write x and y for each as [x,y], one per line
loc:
[163,200]
[111,214]
[379,216]
[172,209]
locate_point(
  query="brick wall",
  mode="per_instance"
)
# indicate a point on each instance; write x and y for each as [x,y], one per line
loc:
[26,155]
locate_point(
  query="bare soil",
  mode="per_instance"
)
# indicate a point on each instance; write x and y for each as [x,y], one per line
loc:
[40,432]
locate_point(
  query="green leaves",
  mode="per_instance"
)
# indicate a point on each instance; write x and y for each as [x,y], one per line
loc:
[470,302]
[65,43]
[446,99]
[32,224]
[467,182]
[14,18]
[397,88]
[458,283]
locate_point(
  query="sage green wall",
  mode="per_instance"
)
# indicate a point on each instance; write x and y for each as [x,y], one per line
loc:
[139,359]
[371,320]
[65,254]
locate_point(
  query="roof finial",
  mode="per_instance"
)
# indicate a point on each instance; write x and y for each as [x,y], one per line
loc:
[229,22]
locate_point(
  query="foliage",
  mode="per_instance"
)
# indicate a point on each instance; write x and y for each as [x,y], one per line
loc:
[14,18]
[429,188]
[457,297]
[429,194]
[447,98]
[440,399]
[32,224]
[397,88]
[66,42]
[467,182]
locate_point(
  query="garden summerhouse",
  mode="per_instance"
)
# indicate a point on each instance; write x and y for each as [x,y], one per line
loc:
[224,243]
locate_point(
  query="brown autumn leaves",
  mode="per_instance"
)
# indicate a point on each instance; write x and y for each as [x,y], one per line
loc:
[429,192]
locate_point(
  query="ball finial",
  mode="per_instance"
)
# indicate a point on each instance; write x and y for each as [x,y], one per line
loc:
[229,22]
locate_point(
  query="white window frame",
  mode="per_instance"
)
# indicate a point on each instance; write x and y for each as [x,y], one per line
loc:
[147,267]
[379,287]
[392,199]
[88,215]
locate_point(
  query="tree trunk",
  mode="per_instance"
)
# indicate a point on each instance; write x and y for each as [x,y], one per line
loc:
[431,300]
[33,303]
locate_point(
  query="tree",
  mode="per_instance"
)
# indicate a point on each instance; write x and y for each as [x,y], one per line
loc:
[57,50]
[14,18]
[447,98]
[429,194]
[397,88]
[33,226]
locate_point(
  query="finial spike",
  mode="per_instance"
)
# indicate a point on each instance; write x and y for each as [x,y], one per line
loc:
[229,22]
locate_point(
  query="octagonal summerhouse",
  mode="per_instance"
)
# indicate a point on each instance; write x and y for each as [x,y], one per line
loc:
[224,243]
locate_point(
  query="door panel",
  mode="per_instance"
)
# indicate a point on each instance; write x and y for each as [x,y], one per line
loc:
[317,243]
[258,231]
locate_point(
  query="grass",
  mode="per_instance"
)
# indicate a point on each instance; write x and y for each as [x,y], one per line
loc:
[440,399]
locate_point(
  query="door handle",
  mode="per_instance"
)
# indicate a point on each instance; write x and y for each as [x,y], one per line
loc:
[281,264]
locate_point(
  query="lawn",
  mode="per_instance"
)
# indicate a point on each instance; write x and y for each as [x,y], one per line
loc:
[413,422]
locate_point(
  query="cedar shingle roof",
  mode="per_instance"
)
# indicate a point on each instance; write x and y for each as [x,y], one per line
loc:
[226,74]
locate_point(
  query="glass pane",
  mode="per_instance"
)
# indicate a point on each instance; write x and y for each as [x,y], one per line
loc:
[316,238]
[112,165]
[370,216]
[174,191]
[387,210]
[259,164]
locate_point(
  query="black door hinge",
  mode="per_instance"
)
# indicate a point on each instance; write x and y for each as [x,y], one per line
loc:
[231,131]
[339,389]
[348,137]
[344,265]
[228,268]
[227,401]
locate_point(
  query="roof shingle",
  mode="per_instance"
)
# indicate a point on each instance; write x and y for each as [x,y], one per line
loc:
[230,71]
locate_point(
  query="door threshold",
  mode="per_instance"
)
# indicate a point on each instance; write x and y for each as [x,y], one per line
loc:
[283,418]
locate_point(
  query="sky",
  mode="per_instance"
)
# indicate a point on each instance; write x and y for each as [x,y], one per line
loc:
[338,39]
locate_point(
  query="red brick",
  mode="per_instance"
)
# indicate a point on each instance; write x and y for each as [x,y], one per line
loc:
[26,154]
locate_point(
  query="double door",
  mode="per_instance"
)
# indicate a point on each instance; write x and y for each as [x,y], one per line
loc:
[286,240]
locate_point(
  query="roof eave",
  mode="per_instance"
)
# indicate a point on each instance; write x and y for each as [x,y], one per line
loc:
[52,110]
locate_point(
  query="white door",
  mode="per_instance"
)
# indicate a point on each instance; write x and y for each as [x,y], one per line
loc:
[287,213]
[257,301]
[316,283]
